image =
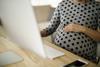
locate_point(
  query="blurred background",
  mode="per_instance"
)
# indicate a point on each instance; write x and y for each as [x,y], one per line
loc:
[53,3]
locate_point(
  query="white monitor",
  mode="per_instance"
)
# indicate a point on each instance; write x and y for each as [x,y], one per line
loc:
[20,23]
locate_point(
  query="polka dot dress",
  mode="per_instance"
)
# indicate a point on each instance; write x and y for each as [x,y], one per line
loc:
[68,12]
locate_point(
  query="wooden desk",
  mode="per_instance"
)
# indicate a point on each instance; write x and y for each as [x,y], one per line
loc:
[33,60]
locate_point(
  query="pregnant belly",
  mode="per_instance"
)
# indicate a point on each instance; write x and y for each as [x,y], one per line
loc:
[72,38]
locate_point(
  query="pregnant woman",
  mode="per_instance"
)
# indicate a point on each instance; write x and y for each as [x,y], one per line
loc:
[76,25]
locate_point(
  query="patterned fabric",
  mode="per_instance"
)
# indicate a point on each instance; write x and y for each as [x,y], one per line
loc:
[67,12]
[98,9]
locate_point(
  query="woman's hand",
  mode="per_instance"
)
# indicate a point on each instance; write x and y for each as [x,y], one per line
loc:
[74,28]
[94,34]
[43,33]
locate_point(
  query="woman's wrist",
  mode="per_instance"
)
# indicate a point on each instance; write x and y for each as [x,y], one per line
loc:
[84,29]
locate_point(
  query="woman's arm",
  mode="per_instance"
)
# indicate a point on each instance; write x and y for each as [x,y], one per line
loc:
[78,28]
[54,23]
[92,33]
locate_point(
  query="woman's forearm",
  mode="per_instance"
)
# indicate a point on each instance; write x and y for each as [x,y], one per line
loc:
[92,33]
[78,28]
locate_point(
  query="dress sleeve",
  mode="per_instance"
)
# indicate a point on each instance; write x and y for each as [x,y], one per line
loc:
[98,9]
[54,22]
[99,20]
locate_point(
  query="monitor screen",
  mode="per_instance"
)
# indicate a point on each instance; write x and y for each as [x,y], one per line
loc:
[20,23]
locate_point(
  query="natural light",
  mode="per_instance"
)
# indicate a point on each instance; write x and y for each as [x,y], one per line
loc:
[53,3]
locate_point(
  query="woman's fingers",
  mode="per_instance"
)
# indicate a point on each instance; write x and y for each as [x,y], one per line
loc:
[73,28]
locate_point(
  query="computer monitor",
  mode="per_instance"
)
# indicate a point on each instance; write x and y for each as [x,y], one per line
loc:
[20,23]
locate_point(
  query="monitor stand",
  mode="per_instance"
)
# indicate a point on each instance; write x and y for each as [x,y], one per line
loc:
[9,57]
[52,53]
